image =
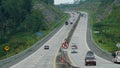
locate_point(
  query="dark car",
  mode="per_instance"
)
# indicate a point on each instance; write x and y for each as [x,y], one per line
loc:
[71,22]
[90,58]
[66,23]
[46,47]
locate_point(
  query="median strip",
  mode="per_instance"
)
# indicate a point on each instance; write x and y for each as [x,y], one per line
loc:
[68,63]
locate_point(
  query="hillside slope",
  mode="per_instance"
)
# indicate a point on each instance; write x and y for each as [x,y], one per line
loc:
[108,25]
[24,22]
[105,22]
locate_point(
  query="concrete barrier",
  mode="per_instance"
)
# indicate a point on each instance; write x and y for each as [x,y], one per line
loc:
[67,63]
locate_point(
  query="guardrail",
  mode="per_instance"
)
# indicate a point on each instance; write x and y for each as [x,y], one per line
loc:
[66,63]
[6,63]
[94,47]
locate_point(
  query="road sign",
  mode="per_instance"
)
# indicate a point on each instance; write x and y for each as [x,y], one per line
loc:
[65,45]
[63,60]
[118,45]
[6,48]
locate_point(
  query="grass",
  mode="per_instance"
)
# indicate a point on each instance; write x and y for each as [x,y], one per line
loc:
[109,34]
[107,43]
[23,41]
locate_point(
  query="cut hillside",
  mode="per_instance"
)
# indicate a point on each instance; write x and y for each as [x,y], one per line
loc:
[108,26]
[24,22]
[105,22]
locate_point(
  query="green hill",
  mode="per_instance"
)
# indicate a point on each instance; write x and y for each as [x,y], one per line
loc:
[108,25]
[105,19]
[24,22]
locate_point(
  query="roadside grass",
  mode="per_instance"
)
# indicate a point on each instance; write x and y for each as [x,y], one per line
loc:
[109,34]
[23,41]
[101,40]
[105,43]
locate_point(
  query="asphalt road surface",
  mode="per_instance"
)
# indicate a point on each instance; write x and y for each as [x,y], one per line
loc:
[46,58]
[79,37]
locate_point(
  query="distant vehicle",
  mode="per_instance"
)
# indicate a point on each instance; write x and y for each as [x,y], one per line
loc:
[46,47]
[66,23]
[73,13]
[74,48]
[116,58]
[81,14]
[90,58]
[71,22]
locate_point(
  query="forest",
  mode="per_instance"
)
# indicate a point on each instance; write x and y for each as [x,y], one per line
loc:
[18,16]
[12,15]
[20,23]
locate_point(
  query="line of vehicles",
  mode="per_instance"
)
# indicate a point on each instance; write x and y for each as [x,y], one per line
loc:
[71,21]
[89,58]
[66,23]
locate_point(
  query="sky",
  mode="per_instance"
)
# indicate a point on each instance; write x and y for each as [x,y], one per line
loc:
[63,1]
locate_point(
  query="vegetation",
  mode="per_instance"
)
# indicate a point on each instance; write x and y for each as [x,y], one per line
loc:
[12,13]
[22,23]
[104,18]
[49,1]
[109,29]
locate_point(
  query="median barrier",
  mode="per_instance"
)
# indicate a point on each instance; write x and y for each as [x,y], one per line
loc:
[67,63]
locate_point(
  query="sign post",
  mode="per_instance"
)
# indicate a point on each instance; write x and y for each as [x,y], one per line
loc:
[118,45]
[7,48]
[65,46]
[63,60]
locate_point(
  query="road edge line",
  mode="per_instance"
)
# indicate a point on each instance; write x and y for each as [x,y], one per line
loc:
[54,59]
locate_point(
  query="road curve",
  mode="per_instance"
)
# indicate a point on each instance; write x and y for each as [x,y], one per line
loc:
[79,37]
[45,58]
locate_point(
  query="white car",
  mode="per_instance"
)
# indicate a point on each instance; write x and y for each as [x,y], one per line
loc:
[117,57]
[74,48]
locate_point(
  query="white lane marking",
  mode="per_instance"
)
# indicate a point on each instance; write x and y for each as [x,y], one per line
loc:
[89,48]
[54,61]
[69,53]
[103,59]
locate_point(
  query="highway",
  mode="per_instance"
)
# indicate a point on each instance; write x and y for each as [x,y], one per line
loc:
[79,37]
[46,58]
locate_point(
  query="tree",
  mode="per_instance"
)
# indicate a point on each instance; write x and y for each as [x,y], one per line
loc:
[49,1]
[12,13]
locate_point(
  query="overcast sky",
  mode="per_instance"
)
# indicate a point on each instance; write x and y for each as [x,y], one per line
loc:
[63,1]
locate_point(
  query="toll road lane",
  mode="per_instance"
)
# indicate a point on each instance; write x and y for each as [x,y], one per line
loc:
[79,37]
[45,58]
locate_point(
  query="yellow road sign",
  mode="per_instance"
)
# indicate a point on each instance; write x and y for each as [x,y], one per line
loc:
[7,48]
